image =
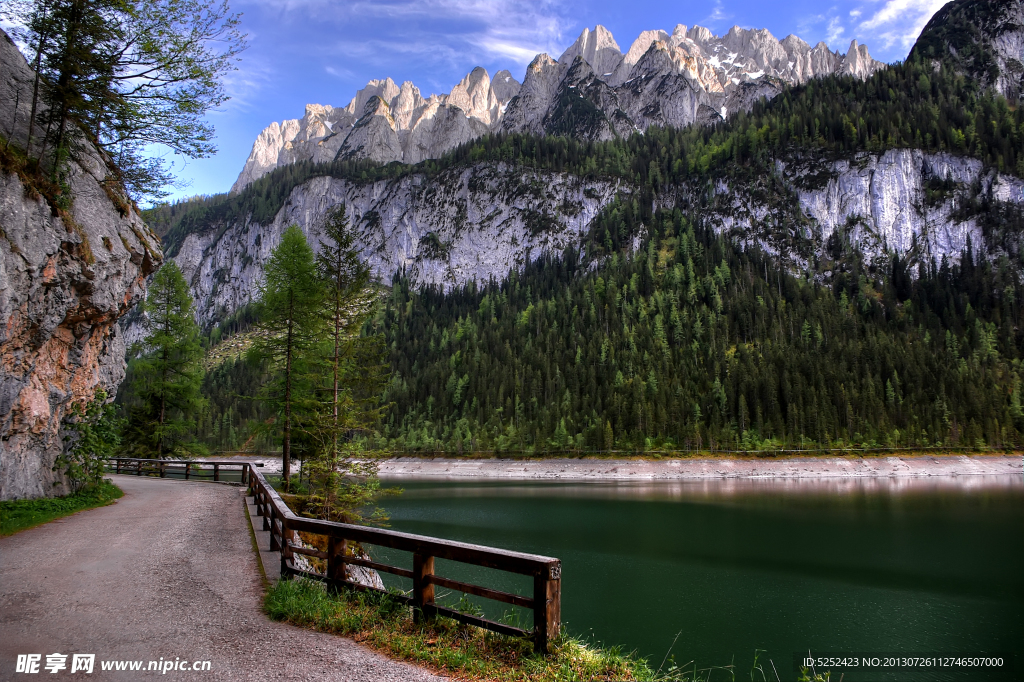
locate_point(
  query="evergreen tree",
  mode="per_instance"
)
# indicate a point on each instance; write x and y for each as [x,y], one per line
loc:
[168,373]
[341,485]
[345,278]
[125,74]
[288,333]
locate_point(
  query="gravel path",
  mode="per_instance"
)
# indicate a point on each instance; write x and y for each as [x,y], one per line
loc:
[169,571]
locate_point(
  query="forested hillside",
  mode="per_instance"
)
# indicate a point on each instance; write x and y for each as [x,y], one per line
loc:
[695,342]
[659,332]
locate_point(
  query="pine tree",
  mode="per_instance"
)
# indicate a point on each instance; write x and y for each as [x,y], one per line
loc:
[288,330]
[168,374]
[343,486]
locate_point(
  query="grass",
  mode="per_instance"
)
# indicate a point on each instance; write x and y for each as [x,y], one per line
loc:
[444,645]
[19,515]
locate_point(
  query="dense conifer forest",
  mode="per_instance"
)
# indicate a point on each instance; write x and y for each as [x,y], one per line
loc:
[693,340]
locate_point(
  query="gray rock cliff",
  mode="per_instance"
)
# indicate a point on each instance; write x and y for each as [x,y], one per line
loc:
[478,222]
[64,282]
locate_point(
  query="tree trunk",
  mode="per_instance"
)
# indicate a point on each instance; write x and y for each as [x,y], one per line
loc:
[286,450]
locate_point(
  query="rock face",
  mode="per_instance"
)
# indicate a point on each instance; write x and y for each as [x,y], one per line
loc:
[593,91]
[64,282]
[384,122]
[479,222]
[983,39]
[904,201]
[464,224]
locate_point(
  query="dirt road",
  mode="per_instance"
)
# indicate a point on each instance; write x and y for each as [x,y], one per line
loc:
[168,572]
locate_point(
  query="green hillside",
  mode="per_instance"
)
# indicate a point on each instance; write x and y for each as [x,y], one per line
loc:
[694,340]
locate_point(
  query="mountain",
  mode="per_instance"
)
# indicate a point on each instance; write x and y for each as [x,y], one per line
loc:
[593,91]
[983,39]
[910,161]
[839,264]
[68,273]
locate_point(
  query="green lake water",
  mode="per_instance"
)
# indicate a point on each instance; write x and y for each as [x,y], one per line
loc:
[874,567]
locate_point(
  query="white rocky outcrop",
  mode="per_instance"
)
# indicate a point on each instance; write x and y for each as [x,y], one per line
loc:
[384,122]
[688,76]
[461,225]
[481,222]
[878,202]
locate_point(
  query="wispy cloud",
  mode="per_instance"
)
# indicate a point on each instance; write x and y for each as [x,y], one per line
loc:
[899,22]
[718,14]
[443,32]
[835,31]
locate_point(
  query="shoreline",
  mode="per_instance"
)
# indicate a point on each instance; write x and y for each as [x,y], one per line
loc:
[815,467]
[695,469]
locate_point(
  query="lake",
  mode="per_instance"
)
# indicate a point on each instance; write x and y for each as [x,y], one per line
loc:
[870,567]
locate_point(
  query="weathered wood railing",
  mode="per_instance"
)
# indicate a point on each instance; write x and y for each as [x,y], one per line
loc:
[188,469]
[546,572]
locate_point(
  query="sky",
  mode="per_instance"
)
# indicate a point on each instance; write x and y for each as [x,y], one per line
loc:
[323,51]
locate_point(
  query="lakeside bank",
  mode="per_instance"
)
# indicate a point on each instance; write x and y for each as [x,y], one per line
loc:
[707,468]
[697,468]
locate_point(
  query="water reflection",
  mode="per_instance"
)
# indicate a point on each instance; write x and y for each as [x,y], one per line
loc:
[711,488]
[922,564]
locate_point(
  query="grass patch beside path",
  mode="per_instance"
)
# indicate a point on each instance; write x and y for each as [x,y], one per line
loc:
[18,515]
[445,645]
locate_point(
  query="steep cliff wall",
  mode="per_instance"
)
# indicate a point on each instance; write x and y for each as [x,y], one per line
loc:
[464,224]
[480,221]
[903,201]
[64,282]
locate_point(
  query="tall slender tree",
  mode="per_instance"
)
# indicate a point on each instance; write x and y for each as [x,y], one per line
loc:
[342,485]
[288,331]
[169,372]
[345,280]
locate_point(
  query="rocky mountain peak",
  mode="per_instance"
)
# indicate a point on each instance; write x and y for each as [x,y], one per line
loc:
[598,48]
[690,75]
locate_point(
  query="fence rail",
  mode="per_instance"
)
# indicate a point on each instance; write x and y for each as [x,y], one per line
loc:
[545,601]
[189,469]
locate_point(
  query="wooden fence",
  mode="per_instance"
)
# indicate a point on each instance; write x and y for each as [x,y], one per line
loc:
[198,469]
[545,602]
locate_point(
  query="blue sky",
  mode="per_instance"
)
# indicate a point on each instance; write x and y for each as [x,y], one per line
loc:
[322,51]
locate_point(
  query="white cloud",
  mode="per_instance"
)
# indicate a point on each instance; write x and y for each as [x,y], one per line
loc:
[899,22]
[440,30]
[835,31]
[717,14]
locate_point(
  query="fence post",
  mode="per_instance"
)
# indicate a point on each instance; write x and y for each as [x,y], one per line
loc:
[163,469]
[216,472]
[336,562]
[422,588]
[286,550]
[547,606]
[118,466]
[188,466]
[275,544]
